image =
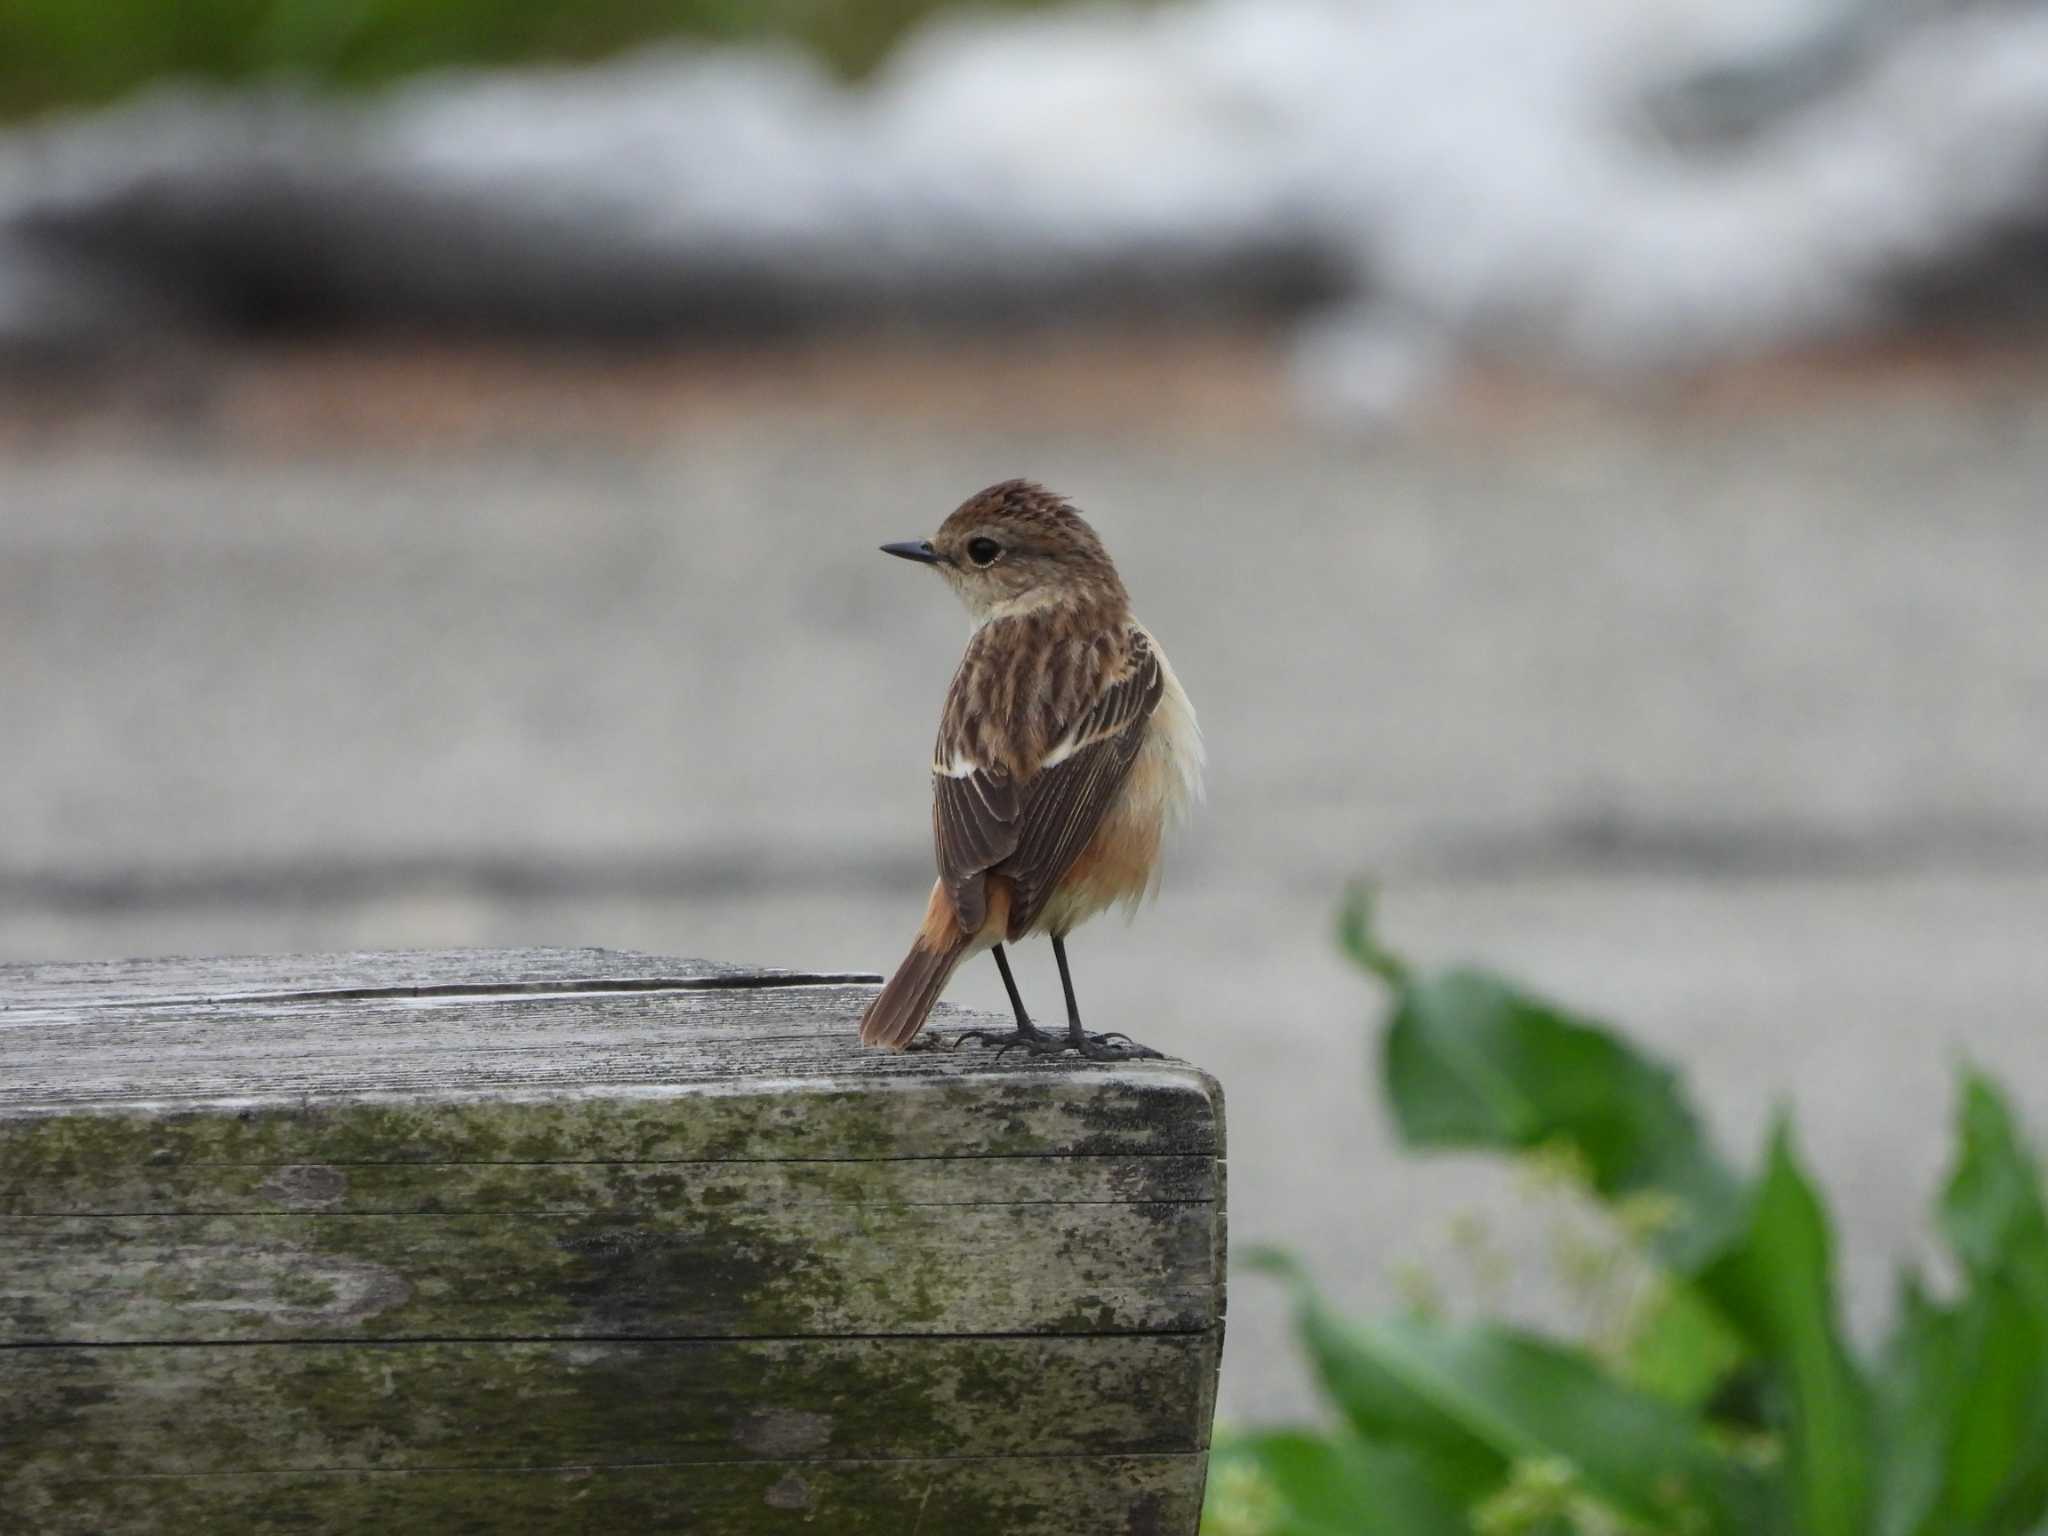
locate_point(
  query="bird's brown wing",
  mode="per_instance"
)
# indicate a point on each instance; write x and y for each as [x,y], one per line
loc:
[1065,802]
[974,828]
[987,819]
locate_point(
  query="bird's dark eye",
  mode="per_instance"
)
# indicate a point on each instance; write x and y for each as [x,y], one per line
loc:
[983,551]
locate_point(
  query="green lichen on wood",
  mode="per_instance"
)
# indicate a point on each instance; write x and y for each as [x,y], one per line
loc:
[689,1272]
[992,1116]
[475,1188]
[206,1409]
[1019,1496]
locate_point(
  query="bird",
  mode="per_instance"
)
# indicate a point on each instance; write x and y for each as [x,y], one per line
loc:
[1066,750]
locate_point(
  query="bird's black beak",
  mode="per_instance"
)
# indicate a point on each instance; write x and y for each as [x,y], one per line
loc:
[920,550]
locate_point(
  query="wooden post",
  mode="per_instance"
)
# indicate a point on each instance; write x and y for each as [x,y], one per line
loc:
[536,1241]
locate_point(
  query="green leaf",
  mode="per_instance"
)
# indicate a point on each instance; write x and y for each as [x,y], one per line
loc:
[1358,938]
[1917,1382]
[1992,1210]
[1964,1407]
[1473,1403]
[1992,1213]
[1997,1472]
[1777,1285]
[1964,1396]
[1681,1349]
[1471,1062]
[1309,1484]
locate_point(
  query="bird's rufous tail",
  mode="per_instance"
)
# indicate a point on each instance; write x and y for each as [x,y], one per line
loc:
[907,998]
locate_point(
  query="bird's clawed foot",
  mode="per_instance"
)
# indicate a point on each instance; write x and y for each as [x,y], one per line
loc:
[1029,1038]
[1099,1048]
[1024,1037]
[1037,1042]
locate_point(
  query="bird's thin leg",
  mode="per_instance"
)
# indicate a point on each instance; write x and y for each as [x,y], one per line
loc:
[1026,1034]
[1094,1047]
[1024,1024]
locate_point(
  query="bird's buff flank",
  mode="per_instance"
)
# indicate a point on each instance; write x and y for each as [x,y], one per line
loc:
[1066,749]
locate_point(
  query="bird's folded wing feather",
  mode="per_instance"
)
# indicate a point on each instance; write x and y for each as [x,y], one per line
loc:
[974,827]
[1032,827]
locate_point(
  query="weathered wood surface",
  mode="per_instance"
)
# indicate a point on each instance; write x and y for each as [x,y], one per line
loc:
[521,1241]
[952,1496]
[375,972]
[401,1407]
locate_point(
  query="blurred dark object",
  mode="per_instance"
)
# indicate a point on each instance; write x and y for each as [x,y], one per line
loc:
[1601,188]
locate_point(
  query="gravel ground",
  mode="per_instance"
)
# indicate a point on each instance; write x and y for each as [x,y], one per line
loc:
[1723,714]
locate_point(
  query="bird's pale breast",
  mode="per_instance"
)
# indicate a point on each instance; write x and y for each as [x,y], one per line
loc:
[1121,861]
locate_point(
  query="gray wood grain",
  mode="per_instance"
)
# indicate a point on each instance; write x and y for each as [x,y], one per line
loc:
[273,1045]
[115,982]
[531,1240]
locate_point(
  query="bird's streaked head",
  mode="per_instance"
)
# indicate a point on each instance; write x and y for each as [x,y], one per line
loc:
[1017,547]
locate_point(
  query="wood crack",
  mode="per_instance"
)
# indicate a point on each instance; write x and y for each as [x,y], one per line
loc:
[739,981]
[510,1470]
[570,1340]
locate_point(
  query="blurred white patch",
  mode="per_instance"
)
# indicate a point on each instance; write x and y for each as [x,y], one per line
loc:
[1618,183]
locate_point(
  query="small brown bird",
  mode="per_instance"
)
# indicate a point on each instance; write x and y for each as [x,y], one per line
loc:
[1065,750]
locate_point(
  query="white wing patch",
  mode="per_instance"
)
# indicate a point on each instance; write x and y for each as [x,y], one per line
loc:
[1063,751]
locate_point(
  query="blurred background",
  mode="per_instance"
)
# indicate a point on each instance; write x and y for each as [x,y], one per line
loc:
[1585,457]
